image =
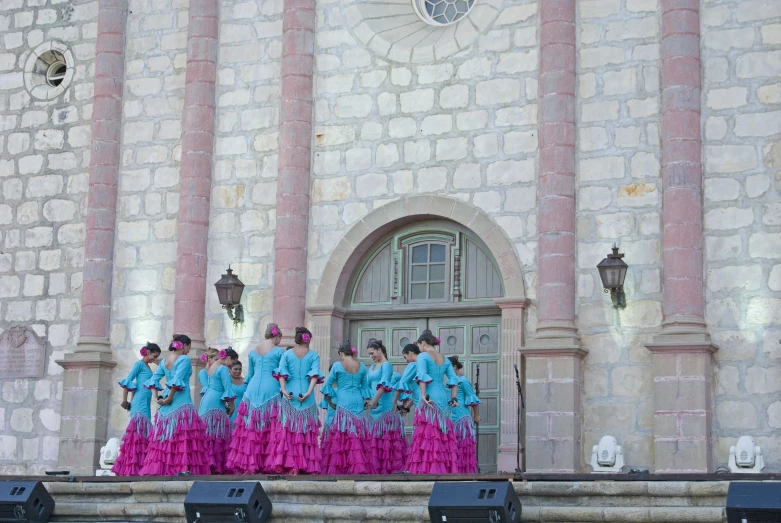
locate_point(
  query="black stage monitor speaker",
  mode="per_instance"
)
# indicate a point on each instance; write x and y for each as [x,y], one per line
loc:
[474,502]
[227,502]
[25,501]
[754,502]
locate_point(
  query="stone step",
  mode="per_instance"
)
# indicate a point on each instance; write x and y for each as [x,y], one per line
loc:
[402,501]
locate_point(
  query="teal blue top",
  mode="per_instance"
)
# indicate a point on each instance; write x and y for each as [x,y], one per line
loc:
[381,377]
[261,385]
[351,389]
[142,397]
[178,377]
[240,390]
[410,390]
[203,379]
[434,377]
[466,398]
[298,372]
[220,390]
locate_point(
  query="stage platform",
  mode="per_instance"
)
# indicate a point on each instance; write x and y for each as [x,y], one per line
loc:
[403,498]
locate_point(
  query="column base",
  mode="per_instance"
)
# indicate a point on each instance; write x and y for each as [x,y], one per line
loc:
[85,405]
[553,405]
[683,373]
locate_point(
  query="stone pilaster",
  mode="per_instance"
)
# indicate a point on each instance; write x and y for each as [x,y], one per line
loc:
[196,172]
[682,351]
[87,377]
[295,151]
[513,320]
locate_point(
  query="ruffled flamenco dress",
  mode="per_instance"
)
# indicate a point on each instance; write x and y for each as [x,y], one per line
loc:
[135,441]
[388,443]
[466,437]
[293,442]
[177,443]
[216,419]
[433,447]
[240,390]
[347,448]
[256,415]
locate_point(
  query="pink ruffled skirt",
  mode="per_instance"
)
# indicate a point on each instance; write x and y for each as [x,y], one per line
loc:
[466,456]
[388,443]
[134,446]
[250,443]
[293,447]
[177,444]
[433,448]
[218,438]
[347,447]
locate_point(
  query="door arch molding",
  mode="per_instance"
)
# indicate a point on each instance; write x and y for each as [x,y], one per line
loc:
[332,288]
[326,305]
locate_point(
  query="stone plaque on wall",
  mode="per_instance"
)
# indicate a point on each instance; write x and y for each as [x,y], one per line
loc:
[22,354]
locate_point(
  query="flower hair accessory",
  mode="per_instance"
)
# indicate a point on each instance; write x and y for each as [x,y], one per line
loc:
[222,354]
[144,351]
[354,351]
[274,331]
[305,337]
[177,345]
[438,340]
[204,357]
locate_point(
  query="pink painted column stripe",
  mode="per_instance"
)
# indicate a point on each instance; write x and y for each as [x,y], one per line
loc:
[104,170]
[556,190]
[195,179]
[683,304]
[295,150]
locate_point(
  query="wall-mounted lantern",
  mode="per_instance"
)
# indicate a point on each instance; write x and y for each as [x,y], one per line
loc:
[229,290]
[612,271]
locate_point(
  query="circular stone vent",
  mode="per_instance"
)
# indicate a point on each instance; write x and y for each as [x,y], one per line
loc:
[49,70]
[442,12]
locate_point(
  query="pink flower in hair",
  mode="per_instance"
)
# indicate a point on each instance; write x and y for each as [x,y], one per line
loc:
[144,351]
[274,331]
[306,337]
[204,357]
[354,351]
[438,341]
[222,354]
[177,345]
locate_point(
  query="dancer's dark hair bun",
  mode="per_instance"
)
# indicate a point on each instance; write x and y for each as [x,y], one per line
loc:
[345,348]
[429,338]
[410,347]
[153,348]
[454,361]
[376,344]
[232,354]
[302,332]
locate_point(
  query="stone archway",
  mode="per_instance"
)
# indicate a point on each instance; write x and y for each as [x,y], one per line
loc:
[328,300]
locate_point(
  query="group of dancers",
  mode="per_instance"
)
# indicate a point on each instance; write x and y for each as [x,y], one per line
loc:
[268,422]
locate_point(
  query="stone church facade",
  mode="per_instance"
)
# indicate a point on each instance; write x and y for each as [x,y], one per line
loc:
[375,168]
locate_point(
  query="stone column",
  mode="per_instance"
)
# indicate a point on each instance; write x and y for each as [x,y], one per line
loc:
[513,316]
[86,383]
[295,149]
[682,351]
[196,172]
[555,352]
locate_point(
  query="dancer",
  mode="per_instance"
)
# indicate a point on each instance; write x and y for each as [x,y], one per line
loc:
[388,444]
[293,447]
[330,411]
[259,409]
[433,447]
[239,387]
[177,443]
[212,409]
[347,449]
[203,375]
[466,457]
[134,442]
[407,389]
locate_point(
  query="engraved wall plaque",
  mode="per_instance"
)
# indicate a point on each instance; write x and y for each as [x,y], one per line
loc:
[22,353]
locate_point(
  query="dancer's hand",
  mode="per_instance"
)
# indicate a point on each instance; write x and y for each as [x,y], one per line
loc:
[373,405]
[164,401]
[302,397]
[453,403]
[126,405]
[287,395]
[477,418]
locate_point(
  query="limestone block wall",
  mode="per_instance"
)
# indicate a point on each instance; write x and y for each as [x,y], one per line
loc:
[148,198]
[619,200]
[741,49]
[44,166]
[391,122]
